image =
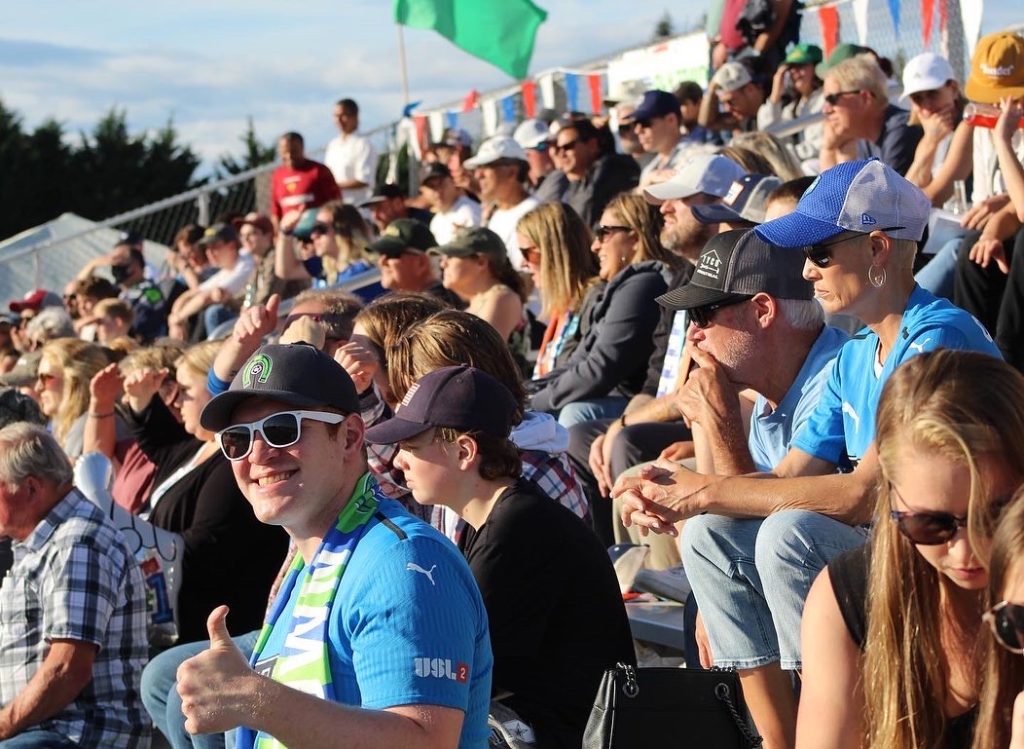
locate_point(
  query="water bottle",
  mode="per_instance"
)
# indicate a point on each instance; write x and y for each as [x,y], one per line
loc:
[984,115]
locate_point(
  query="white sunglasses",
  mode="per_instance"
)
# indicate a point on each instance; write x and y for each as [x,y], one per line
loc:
[281,429]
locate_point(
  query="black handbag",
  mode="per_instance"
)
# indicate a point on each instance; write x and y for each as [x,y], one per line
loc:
[668,707]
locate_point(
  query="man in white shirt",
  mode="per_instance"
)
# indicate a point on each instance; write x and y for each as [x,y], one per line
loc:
[657,122]
[452,209]
[500,167]
[234,269]
[351,157]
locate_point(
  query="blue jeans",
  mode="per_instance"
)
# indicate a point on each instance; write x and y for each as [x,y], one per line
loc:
[36,738]
[608,407]
[160,693]
[751,577]
[937,276]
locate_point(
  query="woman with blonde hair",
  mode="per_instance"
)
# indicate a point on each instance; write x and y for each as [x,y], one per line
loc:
[195,494]
[555,244]
[66,367]
[477,269]
[890,630]
[1001,712]
[610,363]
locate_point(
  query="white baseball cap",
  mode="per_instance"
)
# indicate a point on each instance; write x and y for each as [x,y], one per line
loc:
[493,149]
[531,133]
[926,72]
[732,76]
[708,173]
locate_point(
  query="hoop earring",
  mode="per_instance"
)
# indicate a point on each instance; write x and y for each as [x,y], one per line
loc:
[876,276]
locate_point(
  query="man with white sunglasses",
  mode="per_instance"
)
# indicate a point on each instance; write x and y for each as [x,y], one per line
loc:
[378,636]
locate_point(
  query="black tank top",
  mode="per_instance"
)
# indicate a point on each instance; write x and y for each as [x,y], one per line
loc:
[849,574]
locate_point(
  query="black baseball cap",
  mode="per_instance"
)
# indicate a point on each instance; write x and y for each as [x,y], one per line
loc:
[401,235]
[459,397]
[382,193]
[298,374]
[434,170]
[737,264]
[655,104]
[744,203]
[219,233]
[476,240]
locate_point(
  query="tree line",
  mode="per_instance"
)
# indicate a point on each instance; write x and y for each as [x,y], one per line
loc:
[44,172]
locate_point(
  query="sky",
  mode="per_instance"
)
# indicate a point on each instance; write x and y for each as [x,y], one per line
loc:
[209,65]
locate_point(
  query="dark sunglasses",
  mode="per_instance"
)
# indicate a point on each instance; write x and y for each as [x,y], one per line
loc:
[279,430]
[565,146]
[820,255]
[935,528]
[319,228]
[833,99]
[1007,622]
[603,232]
[643,124]
[702,316]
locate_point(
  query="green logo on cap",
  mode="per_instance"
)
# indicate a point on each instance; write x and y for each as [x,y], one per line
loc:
[257,369]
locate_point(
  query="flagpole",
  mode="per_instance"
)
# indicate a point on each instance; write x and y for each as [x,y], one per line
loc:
[401,58]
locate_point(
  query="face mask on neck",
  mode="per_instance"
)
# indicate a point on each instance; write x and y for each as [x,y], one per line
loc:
[121,272]
[314,266]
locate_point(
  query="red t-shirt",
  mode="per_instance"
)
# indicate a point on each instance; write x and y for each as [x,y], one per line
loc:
[731,36]
[310,186]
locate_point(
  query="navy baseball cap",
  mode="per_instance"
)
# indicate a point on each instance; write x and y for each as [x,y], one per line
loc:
[744,203]
[655,104]
[298,374]
[861,196]
[737,264]
[459,397]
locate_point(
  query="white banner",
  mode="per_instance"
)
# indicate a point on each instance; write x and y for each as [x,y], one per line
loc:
[663,65]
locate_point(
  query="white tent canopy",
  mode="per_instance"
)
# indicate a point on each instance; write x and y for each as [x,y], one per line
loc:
[51,254]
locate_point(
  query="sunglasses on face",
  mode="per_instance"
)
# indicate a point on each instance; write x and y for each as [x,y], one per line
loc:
[530,254]
[820,255]
[603,232]
[565,146]
[935,528]
[834,99]
[279,430]
[702,316]
[1007,622]
[319,228]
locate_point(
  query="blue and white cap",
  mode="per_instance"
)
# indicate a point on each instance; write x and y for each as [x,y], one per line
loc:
[861,196]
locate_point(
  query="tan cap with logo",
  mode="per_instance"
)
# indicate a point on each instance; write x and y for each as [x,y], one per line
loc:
[997,69]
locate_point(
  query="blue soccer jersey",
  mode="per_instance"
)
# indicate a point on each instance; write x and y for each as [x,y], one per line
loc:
[408,626]
[844,421]
[772,433]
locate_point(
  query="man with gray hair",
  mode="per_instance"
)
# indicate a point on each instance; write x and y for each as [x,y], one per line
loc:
[73,634]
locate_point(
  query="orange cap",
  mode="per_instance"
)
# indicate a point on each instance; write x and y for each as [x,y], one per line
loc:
[997,68]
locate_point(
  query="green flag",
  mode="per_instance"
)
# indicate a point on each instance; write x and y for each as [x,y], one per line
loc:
[498,31]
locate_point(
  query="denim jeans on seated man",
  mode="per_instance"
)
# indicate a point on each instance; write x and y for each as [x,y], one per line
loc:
[608,407]
[938,274]
[160,694]
[751,578]
[38,738]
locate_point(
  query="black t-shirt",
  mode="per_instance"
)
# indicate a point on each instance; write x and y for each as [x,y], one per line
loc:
[556,614]
[849,574]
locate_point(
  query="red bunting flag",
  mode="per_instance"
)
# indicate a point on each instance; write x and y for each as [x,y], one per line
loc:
[927,16]
[529,92]
[420,120]
[828,17]
[943,15]
[469,103]
[594,81]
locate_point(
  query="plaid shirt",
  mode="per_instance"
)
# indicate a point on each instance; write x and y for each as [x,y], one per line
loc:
[75,579]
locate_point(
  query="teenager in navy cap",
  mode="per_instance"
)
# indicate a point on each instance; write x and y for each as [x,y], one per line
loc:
[556,614]
[858,226]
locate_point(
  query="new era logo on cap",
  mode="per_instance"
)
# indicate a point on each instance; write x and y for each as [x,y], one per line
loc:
[861,196]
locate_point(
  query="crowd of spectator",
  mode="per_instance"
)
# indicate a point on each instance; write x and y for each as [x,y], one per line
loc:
[393,435]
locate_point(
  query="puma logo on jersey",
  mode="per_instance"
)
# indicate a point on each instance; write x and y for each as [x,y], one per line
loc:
[413,567]
[919,346]
[848,409]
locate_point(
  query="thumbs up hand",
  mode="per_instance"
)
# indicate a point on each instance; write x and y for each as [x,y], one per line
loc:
[217,687]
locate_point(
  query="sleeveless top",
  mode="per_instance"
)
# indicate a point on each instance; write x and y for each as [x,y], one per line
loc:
[849,574]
